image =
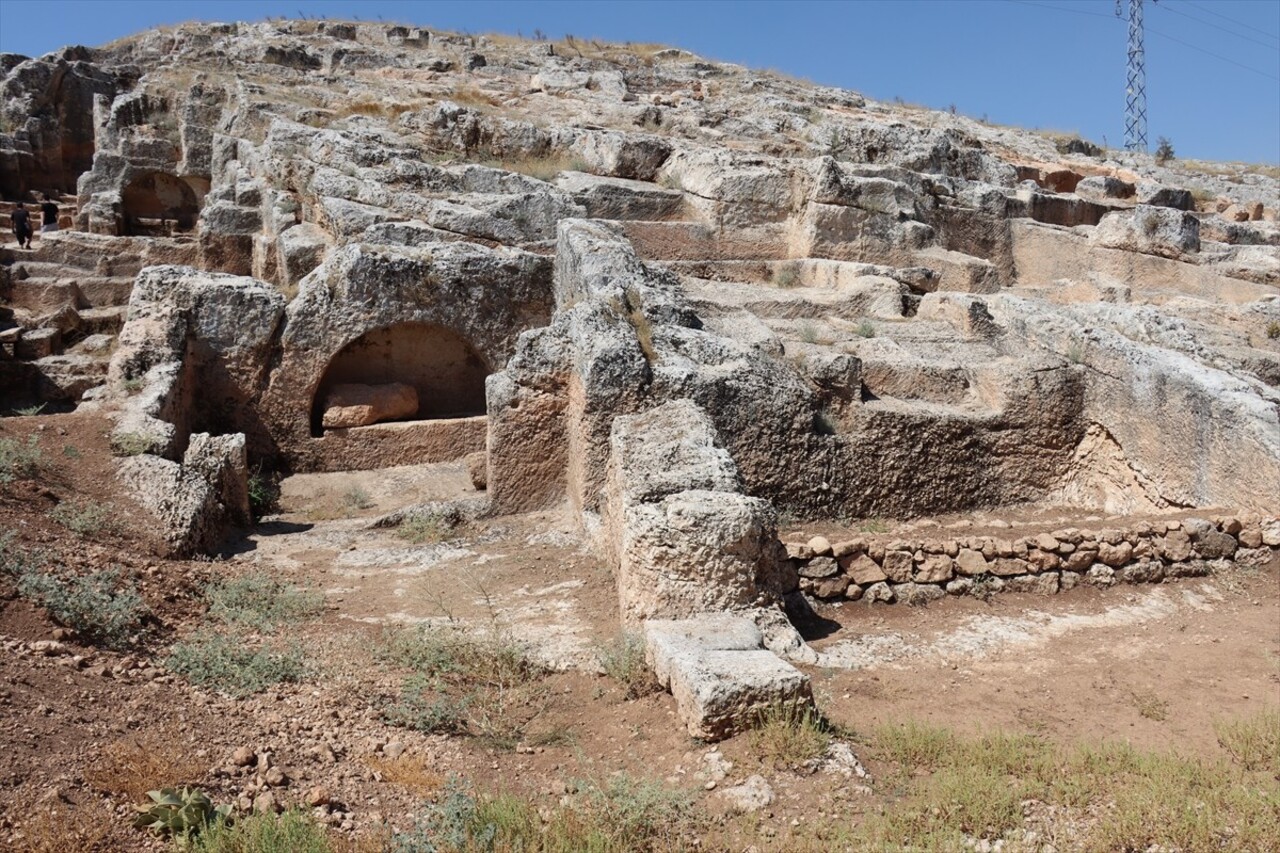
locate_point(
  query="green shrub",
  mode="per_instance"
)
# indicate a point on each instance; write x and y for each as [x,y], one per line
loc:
[99,606]
[865,329]
[808,332]
[290,832]
[480,684]
[786,276]
[259,601]
[622,659]
[20,460]
[228,664]
[1164,150]
[83,518]
[16,561]
[423,708]
[29,411]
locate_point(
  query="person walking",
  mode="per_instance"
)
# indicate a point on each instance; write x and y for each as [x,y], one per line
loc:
[48,216]
[21,220]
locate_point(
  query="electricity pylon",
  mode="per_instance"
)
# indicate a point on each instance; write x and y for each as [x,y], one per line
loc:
[1135,91]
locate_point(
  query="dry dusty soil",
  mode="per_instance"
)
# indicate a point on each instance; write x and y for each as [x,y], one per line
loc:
[86,731]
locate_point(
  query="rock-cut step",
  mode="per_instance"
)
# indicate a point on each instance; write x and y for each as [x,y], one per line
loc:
[719,672]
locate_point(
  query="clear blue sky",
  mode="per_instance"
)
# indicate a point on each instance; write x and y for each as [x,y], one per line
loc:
[1213,66]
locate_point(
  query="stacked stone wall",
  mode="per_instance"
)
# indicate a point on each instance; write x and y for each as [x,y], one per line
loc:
[917,569]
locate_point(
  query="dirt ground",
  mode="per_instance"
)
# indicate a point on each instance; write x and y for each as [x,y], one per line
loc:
[1153,665]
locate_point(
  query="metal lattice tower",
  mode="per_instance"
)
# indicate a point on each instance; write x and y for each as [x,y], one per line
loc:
[1135,92]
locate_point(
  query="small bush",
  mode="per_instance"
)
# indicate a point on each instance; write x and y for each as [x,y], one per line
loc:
[423,708]
[30,411]
[259,601]
[16,561]
[787,735]
[623,660]
[290,832]
[808,332]
[20,460]
[865,329]
[1164,150]
[227,664]
[83,518]
[480,684]
[356,498]
[100,607]
[1273,330]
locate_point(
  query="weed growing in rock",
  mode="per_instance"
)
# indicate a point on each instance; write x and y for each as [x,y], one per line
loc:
[808,332]
[786,276]
[264,493]
[20,460]
[622,659]
[228,664]
[132,443]
[865,329]
[83,518]
[101,607]
[1273,330]
[29,411]
[426,529]
[788,735]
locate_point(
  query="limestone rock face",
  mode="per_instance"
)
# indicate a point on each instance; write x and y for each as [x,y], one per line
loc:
[682,536]
[354,405]
[1150,230]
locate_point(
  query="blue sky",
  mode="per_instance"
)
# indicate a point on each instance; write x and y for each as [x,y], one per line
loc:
[1213,66]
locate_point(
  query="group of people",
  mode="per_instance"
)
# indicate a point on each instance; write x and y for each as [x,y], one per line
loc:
[21,220]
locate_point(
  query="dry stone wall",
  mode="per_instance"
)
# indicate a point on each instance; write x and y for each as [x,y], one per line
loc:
[915,570]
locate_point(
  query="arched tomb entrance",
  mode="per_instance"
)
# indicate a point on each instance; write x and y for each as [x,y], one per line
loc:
[153,201]
[443,369]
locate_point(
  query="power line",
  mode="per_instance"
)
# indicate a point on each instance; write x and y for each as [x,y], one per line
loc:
[1060,9]
[1247,26]
[1222,29]
[1214,55]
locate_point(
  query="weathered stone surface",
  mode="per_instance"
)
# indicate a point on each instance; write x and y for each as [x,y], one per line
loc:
[478,469]
[354,405]
[720,677]
[864,570]
[897,565]
[1150,230]
[819,567]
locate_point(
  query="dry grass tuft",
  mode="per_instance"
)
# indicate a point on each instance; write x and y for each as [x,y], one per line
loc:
[788,736]
[409,771]
[130,767]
